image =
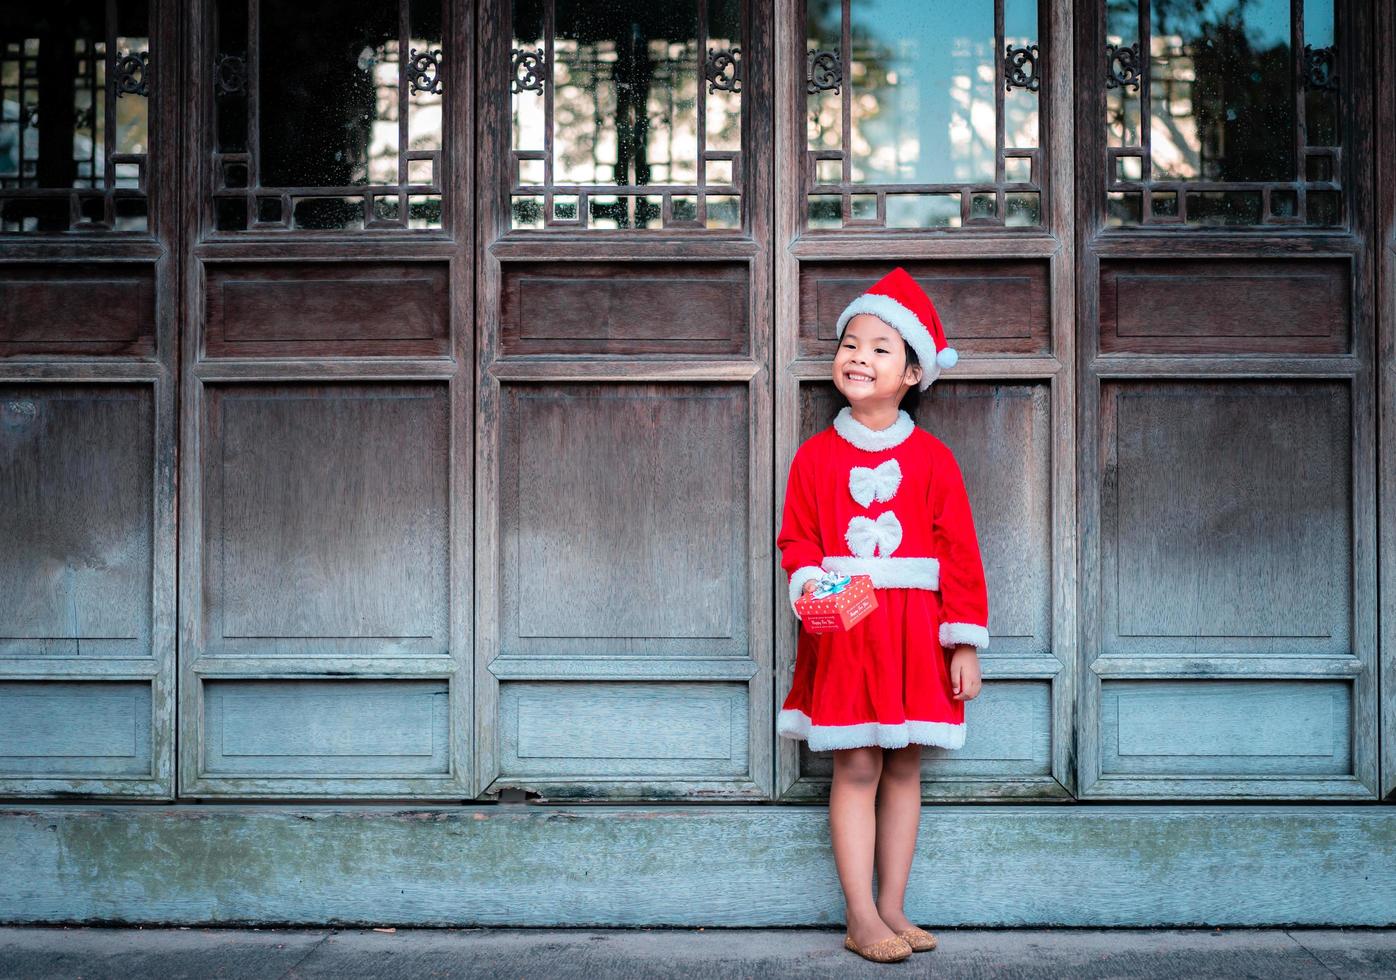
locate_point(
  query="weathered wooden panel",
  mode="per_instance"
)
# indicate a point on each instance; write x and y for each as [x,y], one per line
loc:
[623,730]
[1226,728]
[486,865]
[77,310]
[1001,437]
[1226,518]
[326,728]
[1008,732]
[325,519]
[624,519]
[332,309]
[89,728]
[635,308]
[986,306]
[76,465]
[1197,306]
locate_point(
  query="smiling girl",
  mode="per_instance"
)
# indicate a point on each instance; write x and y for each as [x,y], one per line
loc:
[875,495]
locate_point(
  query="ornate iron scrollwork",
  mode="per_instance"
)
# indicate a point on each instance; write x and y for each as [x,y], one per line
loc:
[824,72]
[1122,65]
[424,71]
[717,67]
[230,74]
[131,74]
[527,71]
[1320,69]
[1020,68]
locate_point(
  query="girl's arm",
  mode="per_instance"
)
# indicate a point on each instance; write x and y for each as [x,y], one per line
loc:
[963,595]
[798,540]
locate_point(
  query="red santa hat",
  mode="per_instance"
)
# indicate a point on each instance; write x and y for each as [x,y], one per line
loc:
[898,301]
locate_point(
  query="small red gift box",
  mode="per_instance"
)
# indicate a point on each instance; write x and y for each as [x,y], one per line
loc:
[837,603]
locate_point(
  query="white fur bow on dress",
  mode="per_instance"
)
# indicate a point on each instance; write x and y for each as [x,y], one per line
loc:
[867,537]
[880,483]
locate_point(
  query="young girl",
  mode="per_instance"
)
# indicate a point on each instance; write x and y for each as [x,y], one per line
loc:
[875,495]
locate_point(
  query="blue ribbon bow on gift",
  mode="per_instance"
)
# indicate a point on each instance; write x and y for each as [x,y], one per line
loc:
[830,583]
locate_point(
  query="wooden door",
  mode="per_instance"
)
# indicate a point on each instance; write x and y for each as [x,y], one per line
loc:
[938,137]
[88,305]
[327,391]
[1227,417]
[623,521]
[1384,231]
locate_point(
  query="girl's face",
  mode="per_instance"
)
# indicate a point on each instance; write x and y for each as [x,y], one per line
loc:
[871,365]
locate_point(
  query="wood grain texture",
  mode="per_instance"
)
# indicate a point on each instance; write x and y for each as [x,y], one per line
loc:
[624,515]
[630,309]
[1200,306]
[81,730]
[1227,728]
[482,865]
[326,511]
[987,307]
[326,729]
[1384,236]
[56,309]
[76,512]
[325,309]
[1227,518]
[629,731]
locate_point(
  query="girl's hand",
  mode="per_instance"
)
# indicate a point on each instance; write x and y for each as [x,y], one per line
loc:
[811,585]
[964,672]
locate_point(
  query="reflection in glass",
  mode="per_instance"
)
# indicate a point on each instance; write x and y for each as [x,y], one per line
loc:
[74,115]
[1221,83]
[347,99]
[923,92]
[933,103]
[1231,99]
[612,112]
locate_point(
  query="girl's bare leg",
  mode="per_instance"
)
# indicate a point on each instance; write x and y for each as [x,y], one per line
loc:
[853,829]
[898,817]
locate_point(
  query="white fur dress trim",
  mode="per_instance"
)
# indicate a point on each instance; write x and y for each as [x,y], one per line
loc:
[798,580]
[873,440]
[952,634]
[889,573]
[793,723]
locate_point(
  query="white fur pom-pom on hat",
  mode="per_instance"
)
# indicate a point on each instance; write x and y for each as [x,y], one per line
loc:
[897,300]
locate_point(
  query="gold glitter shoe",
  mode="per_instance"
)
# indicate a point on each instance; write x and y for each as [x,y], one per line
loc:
[919,939]
[893,949]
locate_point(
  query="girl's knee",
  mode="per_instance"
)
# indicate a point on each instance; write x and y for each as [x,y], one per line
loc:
[861,765]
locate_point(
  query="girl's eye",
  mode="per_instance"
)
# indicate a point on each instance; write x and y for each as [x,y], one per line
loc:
[881,350]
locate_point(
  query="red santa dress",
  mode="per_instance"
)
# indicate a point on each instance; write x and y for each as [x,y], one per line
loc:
[890,504]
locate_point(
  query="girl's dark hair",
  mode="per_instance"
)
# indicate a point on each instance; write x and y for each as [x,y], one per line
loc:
[911,401]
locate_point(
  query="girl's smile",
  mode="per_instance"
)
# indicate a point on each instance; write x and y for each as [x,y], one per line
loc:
[871,367]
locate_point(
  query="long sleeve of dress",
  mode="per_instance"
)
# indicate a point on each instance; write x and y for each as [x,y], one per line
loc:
[798,540]
[963,594]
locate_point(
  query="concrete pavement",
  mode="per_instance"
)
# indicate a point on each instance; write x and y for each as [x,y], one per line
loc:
[40,953]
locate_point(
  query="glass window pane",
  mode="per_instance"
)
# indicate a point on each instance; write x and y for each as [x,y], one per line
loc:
[923,91]
[75,117]
[1222,97]
[625,81]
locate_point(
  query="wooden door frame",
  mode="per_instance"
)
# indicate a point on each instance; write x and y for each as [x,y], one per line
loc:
[496,246]
[1096,243]
[1384,234]
[157,249]
[202,246]
[1056,369]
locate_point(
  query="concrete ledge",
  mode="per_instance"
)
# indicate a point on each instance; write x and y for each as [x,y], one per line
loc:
[1089,865]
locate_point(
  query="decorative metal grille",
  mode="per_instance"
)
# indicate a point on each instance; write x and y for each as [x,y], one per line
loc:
[74,133]
[1231,119]
[918,118]
[627,116]
[360,150]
